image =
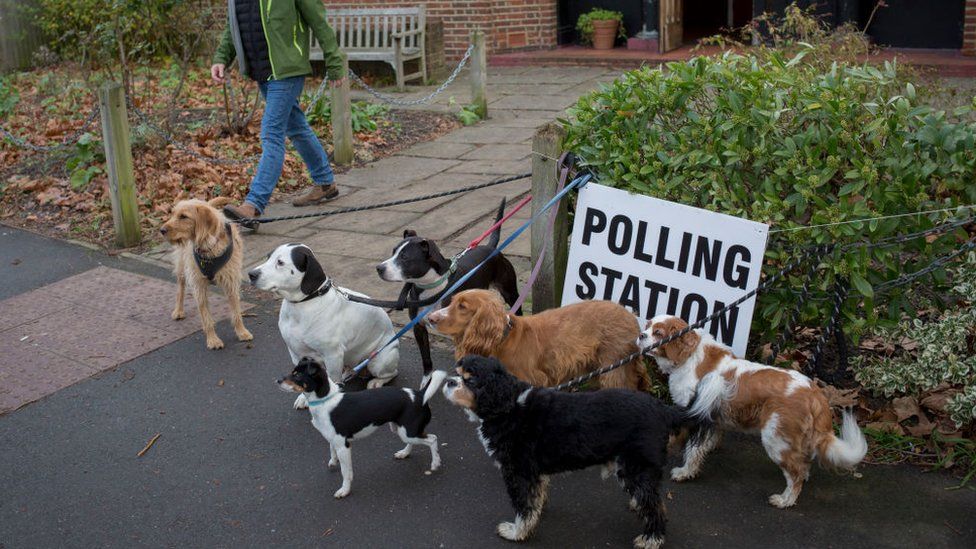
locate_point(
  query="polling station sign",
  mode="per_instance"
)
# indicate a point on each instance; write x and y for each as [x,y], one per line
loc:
[658,257]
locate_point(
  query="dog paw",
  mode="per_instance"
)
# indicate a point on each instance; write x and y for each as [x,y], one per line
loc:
[341,493]
[377,382]
[301,403]
[778,501]
[679,474]
[435,465]
[333,463]
[648,542]
[178,314]
[510,531]
[402,454]
[244,335]
[214,343]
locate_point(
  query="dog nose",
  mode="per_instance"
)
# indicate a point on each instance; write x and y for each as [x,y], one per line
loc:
[380,269]
[163,231]
[279,381]
[642,337]
[253,274]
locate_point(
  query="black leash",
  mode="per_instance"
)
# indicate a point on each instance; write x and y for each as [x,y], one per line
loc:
[250,221]
[210,266]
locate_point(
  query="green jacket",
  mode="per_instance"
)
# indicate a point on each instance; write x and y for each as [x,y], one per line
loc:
[286,28]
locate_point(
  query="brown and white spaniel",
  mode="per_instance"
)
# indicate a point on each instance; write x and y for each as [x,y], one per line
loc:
[785,407]
[547,348]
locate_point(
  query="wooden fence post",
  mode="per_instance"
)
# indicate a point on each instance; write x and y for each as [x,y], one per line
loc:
[479,74]
[118,160]
[547,291]
[342,151]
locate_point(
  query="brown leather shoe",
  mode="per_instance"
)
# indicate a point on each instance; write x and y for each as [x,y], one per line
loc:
[244,211]
[317,195]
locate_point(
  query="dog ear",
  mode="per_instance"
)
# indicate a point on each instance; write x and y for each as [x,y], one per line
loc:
[207,226]
[409,232]
[305,261]
[495,390]
[679,350]
[485,330]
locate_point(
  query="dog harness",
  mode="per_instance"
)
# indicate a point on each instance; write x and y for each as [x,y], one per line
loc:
[210,266]
[323,289]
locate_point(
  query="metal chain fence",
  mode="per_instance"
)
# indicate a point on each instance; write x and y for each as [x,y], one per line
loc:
[410,102]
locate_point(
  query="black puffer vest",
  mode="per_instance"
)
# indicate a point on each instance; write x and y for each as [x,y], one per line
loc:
[253,40]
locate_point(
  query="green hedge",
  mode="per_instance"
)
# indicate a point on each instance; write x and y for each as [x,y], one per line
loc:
[781,141]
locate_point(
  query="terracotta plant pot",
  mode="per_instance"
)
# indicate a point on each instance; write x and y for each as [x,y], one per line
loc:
[604,34]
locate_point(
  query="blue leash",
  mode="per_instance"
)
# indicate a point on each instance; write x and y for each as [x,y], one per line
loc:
[578,182]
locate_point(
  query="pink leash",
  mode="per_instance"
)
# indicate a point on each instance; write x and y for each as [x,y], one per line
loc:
[563,175]
[498,223]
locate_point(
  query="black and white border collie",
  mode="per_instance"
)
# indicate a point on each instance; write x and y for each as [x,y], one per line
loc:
[418,263]
[534,432]
[344,417]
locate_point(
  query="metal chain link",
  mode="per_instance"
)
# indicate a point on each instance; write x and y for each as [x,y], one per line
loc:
[936,264]
[66,142]
[317,96]
[168,137]
[410,102]
[841,289]
[749,295]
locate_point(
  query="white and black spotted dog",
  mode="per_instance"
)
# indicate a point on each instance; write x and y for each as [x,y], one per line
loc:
[319,322]
[345,417]
[425,272]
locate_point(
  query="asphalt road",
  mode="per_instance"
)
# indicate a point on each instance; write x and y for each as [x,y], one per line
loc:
[235,466]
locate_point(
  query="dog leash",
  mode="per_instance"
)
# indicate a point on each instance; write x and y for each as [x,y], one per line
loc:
[578,182]
[472,245]
[563,176]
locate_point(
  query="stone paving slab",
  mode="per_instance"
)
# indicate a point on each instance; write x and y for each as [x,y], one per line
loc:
[487,133]
[64,332]
[494,167]
[439,149]
[383,222]
[535,102]
[496,152]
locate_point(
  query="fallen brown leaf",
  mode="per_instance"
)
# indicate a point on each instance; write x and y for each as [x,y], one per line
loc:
[841,397]
[885,427]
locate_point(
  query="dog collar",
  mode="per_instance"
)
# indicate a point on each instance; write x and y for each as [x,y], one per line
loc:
[320,401]
[440,280]
[323,289]
[210,266]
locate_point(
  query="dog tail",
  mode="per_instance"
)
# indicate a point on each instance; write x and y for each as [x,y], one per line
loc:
[220,201]
[496,234]
[846,451]
[711,394]
[437,377]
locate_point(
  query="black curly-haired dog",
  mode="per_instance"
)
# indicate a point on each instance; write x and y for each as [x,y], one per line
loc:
[534,432]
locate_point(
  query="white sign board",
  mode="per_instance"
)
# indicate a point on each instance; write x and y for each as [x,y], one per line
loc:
[657,257]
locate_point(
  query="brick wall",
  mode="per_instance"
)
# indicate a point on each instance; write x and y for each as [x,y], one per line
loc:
[509,24]
[969,29]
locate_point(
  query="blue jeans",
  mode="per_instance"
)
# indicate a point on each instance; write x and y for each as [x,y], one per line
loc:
[284,117]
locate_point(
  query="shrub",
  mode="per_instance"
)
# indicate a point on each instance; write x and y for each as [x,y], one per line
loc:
[365,116]
[945,353]
[777,140]
[584,25]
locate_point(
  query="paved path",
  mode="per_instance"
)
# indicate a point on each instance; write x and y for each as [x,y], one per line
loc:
[235,466]
[350,245]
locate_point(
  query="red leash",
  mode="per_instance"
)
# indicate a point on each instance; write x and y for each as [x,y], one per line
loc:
[491,229]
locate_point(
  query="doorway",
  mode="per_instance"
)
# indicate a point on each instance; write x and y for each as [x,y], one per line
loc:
[687,21]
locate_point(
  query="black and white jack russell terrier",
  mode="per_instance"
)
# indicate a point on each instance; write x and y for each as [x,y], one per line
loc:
[345,417]
[419,263]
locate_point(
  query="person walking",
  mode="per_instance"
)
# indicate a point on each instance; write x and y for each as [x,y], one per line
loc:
[270,40]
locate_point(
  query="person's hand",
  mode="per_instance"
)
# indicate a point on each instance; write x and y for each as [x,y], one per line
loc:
[217,72]
[338,83]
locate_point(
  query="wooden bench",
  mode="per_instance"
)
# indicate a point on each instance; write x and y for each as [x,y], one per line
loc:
[391,35]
